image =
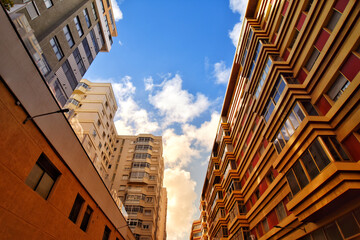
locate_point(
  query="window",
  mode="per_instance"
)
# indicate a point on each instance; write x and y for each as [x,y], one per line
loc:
[142,155]
[122,187]
[149,199]
[312,59]
[93,10]
[265,225]
[102,6]
[106,234]
[125,177]
[335,148]
[87,17]
[147,212]
[32,10]
[100,34]
[48,3]
[93,39]
[274,98]
[43,176]
[146,226]
[280,211]
[78,26]
[108,3]
[338,87]
[56,47]
[108,29]
[87,50]
[263,76]
[69,74]
[335,16]
[112,20]
[79,201]
[68,36]
[79,61]
[292,122]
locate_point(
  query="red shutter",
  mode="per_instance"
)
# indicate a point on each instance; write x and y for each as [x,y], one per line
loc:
[265,142]
[321,40]
[272,219]
[302,76]
[285,8]
[249,138]
[351,67]
[286,54]
[301,21]
[243,181]
[262,186]
[353,146]
[248,205]
[323,105]
[274,172]
[341,5]
[260,230]
[274,38]
[255,160]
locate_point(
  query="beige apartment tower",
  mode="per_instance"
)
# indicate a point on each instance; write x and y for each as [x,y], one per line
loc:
[137,178]
[92,110]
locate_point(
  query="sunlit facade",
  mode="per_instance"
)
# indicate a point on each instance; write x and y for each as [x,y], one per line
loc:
[137,178]
[284,164]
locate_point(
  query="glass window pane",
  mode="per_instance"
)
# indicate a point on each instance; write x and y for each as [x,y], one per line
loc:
[319,155]
[339,148]
[289,127]
[309,165]
[318,234]
[34,176]
[285,134]
[277,146]
[310,63]
[348,225]
[45,185]
[333,20]
[281,140]
[300,174]
[299,112]
[280,210]
[293,120]
[332,232]
[292,182]
[332,150]
[309,108]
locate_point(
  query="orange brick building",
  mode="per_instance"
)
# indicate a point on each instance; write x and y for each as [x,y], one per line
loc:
[49,188]
[285,161]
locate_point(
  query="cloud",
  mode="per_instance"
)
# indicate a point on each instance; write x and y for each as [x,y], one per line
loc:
[181,149]
[120,43]
[234,34]
[178,105]
[149,83]
[238,6]
[221,73]
[118,15]
[131,119]
[181,203]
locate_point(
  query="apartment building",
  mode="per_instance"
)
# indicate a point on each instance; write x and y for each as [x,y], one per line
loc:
[92,110]
[49,187]
[67,37]
[138,180]
[285,160]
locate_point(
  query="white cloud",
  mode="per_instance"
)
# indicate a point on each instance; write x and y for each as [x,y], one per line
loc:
[238,6]
[234,34]
[181,203]
[120,43]
[131,118]
[118,15]
[149,83]
[180,150]
[176,104]
[221,72]
[205,134]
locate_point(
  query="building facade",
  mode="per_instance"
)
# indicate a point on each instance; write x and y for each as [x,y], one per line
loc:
[285,161]
[49,187]
[137,178]
[69,35]
[92,111]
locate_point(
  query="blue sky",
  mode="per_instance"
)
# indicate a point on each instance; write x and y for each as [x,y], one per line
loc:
[169,68]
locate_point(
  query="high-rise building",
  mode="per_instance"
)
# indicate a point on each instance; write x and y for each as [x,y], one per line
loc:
[285,161]
[92,110]
[67,36]
[49,187]
[138,177]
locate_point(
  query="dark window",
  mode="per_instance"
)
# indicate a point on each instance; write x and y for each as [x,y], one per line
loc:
[43,176]
[100,34]
[56,47]
[107,232]
[338,87]
[87,17]
[87,50]
[78,26]
[69,74]
[93,10]
[68,36]
[86,218]
[312,59]
[79,62]
[79,201]
[59,94]
[102,6]
[332,232]
[111,20]
[93,38]
[309,108]
[335,149]
[108,3]
[348,225]
[333,20]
